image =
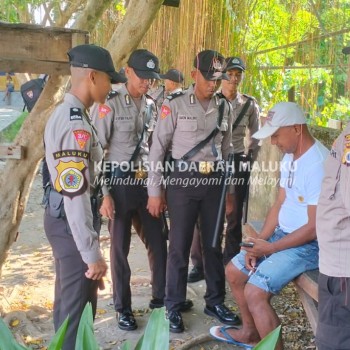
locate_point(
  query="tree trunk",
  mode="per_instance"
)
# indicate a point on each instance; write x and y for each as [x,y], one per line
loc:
[93,9]
[17,176]
[129,33]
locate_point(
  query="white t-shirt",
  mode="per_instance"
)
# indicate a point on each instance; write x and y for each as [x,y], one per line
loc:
[302,181]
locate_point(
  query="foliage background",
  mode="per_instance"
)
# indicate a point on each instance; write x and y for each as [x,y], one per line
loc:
[292,47]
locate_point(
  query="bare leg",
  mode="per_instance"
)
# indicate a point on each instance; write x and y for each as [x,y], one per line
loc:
[265,317]
[237,280]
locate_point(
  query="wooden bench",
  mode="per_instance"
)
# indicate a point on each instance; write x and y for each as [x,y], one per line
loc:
[306,284]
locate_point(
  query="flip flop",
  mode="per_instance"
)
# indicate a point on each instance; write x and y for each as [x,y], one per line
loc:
[226,338]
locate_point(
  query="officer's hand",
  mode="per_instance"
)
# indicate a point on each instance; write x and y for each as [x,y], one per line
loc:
[155,206]
[107,207]
[96,270]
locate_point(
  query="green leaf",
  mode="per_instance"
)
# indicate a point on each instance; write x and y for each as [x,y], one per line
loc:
[270,341]
[7,341]
[85,337]
[157,332]
[57,341]
[139,343]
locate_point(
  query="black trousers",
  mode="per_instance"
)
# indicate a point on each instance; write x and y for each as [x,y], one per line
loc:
[333,328]
[234,214]
[72,289]
[130,200]
[185,205]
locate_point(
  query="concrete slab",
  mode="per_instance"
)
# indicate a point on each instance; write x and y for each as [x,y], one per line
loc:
[10,112]
[7,117]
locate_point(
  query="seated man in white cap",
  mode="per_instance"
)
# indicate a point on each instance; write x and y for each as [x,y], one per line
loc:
[286,245]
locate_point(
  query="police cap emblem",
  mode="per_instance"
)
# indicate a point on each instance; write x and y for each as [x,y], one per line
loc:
[150,64]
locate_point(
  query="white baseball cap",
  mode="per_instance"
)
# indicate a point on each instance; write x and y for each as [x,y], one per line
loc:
[281,114]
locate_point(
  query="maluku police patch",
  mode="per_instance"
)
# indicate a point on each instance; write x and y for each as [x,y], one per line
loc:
[71,179]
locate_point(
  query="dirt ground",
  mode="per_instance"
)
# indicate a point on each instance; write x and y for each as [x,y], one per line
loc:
[26,294]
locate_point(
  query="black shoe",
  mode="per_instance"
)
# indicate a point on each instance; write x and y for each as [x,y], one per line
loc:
[223,314]
[186,305]
[126,320]
[175,322]
[195,275]
[158,303]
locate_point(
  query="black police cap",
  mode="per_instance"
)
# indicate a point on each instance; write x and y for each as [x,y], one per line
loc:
[211,64]
[235,63]
[173,75]
[94,57]
[145,64]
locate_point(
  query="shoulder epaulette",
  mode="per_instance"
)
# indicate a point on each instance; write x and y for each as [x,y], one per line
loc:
[175,95]
[112,94]
[221,95]
[76,114]
[150,97]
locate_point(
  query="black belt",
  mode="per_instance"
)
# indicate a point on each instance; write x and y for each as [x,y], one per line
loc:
[203,167]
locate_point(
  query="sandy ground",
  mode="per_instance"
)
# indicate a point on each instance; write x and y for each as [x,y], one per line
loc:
[26,294]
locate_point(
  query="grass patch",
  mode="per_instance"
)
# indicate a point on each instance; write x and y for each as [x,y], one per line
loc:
[9,133]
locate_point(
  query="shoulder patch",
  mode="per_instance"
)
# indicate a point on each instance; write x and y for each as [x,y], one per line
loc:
[70,178]
[71,153]
[175,95]
[76,114]
[103,110]
[165,111]
[81,136]
[112,94]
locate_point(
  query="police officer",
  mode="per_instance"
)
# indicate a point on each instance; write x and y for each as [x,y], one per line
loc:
[246,122]
[71,148]
[173,80]
[333,234]
[124,124]
[193,187]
